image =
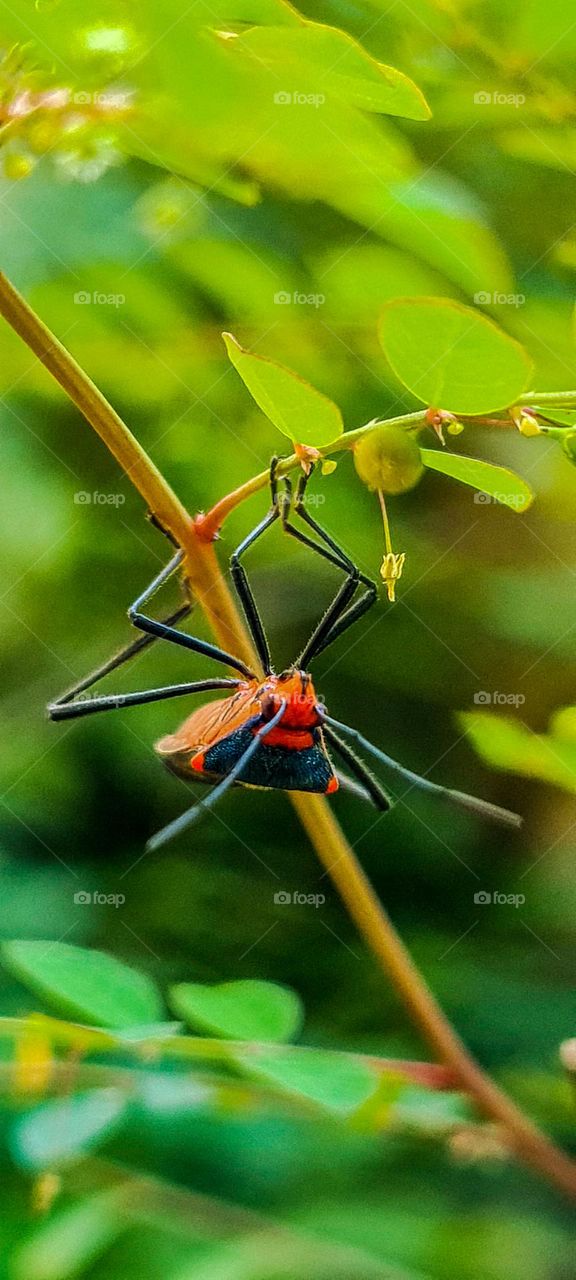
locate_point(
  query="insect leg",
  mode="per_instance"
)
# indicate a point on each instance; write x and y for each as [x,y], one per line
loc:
[346,620]
[376,793]
[341,613]
[239,575]
[186,819]
[347,783]
[66,708]
[117,660]
[166,632]
[482,807]
[244,589]
[361,606]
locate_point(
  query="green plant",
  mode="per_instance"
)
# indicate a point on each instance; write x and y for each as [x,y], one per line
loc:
[357,193]
[207,583]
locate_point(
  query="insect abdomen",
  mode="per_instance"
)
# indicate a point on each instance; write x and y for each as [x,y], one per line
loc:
[307,769]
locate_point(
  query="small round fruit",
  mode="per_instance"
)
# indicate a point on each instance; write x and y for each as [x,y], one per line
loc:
[388,459]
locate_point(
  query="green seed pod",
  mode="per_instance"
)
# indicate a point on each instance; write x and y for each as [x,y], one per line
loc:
[388,459]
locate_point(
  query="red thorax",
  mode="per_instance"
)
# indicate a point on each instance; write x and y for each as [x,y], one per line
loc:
[295,688]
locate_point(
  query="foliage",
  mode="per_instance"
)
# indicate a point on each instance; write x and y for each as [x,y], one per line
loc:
[348,191]
[507,744]
[470,366]
[292,405]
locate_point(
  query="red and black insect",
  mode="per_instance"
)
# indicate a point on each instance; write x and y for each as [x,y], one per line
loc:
[269,732]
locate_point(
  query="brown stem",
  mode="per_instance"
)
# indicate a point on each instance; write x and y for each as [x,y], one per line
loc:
[209,524]
[201,565]
[356,891]
[340,862]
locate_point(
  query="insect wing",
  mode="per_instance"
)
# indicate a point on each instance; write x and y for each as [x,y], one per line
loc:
[206,726]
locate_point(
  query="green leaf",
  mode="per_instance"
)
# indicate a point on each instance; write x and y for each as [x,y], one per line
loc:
[244,285]
[452,357]
[88,985]
[554,148]
[66,1244]
[239,1010]
[298,410]
[337,1081]
[244,13]
[340,66]
[65,1129]
[421,1112]
[507,744]
[499,483]
[436,219]
[359,279]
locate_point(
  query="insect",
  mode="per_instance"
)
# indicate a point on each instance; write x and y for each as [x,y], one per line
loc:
[267,731]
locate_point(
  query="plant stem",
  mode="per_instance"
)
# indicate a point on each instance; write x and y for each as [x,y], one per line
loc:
[374,924]
[132,458]
[201,567]
[334,852]
[181,1048]
[209,524]
[560,399]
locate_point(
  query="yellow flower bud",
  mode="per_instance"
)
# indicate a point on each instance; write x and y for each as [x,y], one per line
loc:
[526,421]
[391,571]
[307,455]
[528,426]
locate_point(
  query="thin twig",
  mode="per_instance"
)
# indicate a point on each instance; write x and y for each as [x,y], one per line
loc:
[208,525]
[529,1144]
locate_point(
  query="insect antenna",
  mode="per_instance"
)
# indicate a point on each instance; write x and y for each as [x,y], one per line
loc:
[349,784]
[376,793]
[482,807]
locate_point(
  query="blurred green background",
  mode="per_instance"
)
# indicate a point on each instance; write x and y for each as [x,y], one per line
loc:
[184,201]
